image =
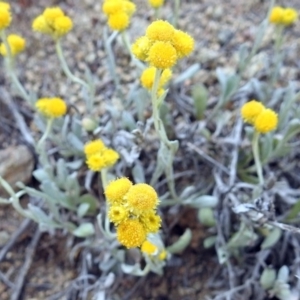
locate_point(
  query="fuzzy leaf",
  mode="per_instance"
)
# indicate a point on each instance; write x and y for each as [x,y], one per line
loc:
[272,238]
[267,278]
[84,230]
[206,217]
[200,98]
[180,245]
[203,201]
[209,242]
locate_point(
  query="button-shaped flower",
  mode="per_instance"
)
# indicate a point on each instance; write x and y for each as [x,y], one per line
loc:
[141,48]
[183,43]
[5,15]
[266,121]
[151,221]
[289,17]
[118,214]
[117,189]
[162,55]
[93,147]
[131,233]
[149,248]
[53,22]
[163,45]
[104,159]
[156,3]
[16,45]
[51,14]
[148,75]
[251,110]
[118,21]
[283,16]
[160,31]
[62,26]
[141,198]
[52,107]
[119,13]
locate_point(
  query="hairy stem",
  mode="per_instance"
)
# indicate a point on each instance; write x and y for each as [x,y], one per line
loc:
[255,149]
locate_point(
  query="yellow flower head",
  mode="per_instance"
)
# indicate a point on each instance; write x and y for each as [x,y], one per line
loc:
[160,31]
[151,221]
[118,21]
[266,121]
[141,48]
[290,15]
[117,214]
[251,110]
[149,248]
[16,44]
[4,5]
[117,189]
[183,43]
[129,7]
[131,233]
[283,16]
[51,107]
[62,25]
[162,55]
[118,13]
[148,75]
[110,157]
[51,14]
[5,16]
[156,3]
[163,255]
[276,15]
[103,159]
[142,197]
[40,24]
[96,162]
[93,147]
[110,7]
[53,22]
[165,77]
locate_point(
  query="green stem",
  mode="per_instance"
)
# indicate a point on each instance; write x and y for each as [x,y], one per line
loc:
[255,149]
[65,67]
[156,13]
[277,61]
[11,70]
[104,178]
[104,185]
[165,155]
[45,135]
[111,58]
[14,200]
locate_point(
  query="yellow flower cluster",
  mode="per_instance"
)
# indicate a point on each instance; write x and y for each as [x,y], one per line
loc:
[53,22]
[163,45]
[283,16]
[148,75]
[16,45]
[132,209]
[150,249]
[156,3]
[263,119]
[119,13]
[51,107]
[98,156]
[5,15]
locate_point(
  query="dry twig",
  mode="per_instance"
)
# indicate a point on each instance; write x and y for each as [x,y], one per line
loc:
[30,251]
